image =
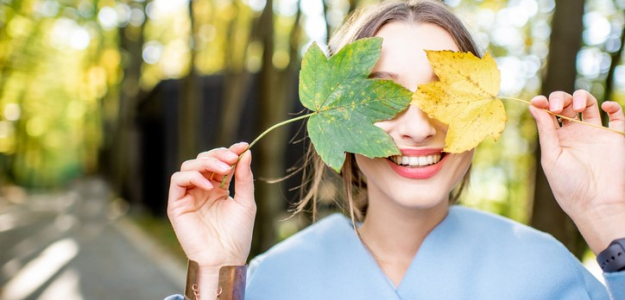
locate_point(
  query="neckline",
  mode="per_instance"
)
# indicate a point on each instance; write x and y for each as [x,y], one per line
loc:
[426,247]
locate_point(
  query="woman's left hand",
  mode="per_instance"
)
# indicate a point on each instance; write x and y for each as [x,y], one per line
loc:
[585,166]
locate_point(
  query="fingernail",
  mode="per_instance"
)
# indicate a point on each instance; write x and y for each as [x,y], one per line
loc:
[577,104]
[553,106]
[231,156]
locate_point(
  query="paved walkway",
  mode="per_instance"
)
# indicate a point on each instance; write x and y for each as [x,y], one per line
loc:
[76,244]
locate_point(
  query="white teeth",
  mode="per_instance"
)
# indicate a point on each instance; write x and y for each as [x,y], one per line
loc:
[416,161]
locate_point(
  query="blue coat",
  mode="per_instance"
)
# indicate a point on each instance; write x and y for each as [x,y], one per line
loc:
[469,255]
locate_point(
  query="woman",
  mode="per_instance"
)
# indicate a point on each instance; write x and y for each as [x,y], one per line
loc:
[412,244]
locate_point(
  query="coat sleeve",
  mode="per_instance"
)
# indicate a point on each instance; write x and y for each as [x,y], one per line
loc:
[253,265]
[616,284]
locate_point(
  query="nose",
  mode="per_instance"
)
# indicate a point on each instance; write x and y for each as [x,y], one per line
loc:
[412,126]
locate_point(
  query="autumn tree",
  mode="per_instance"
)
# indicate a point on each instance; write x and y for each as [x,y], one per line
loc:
[566,40]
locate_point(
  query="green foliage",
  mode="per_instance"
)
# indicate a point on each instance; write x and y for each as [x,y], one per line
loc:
[347,103]
[56,68]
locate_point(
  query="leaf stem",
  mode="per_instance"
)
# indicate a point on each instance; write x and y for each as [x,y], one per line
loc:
[565,117]
[278,125]
[223,181]
[516,99]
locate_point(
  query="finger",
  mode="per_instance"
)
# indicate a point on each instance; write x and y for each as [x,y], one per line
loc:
[541,103]
[232,155]
[224,154]
[563,104]
[547,135]
[183,181]
[558,101]
[239,148]
[211,152]
[244,181]
[223,182]
[206,164]
[586,103]
[615,114]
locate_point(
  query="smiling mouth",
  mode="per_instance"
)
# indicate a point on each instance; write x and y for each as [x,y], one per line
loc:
[416,161]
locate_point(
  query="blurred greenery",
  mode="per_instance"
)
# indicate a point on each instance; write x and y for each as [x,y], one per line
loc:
[161,230]
[73,72]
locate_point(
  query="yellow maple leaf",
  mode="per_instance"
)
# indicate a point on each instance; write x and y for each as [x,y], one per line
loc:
[465,98]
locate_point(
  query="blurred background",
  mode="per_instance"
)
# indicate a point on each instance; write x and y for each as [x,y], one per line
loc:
[102,100]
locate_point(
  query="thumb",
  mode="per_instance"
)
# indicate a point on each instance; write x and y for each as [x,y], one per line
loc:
[547,136]
[244,180]
[615,112]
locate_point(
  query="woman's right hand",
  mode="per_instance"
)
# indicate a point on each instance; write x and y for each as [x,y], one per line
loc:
[213,228]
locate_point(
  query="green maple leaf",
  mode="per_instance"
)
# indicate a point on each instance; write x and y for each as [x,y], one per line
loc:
[346,103]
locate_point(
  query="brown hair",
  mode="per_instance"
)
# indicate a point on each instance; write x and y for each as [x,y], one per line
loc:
[362,24]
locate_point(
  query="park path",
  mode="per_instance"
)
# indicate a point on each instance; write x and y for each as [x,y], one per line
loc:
[76,244]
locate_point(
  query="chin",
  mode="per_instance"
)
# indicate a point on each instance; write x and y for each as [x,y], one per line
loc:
[418,197]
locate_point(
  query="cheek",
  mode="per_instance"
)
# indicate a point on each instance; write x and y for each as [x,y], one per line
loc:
[367,165]
[467,157]
[463,162]
[362,163]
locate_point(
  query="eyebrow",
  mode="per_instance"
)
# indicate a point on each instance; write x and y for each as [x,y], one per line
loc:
[383,75]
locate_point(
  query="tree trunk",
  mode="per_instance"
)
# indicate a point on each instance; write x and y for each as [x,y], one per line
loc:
[566,37]
[609,81]
[123,152]
[325,19]
[235,87]
[269,153]
[189,103]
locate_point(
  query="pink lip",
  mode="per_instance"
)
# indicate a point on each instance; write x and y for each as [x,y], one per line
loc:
[418,172]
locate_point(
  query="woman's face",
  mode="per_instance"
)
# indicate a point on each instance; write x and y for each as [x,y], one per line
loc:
[423,176]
